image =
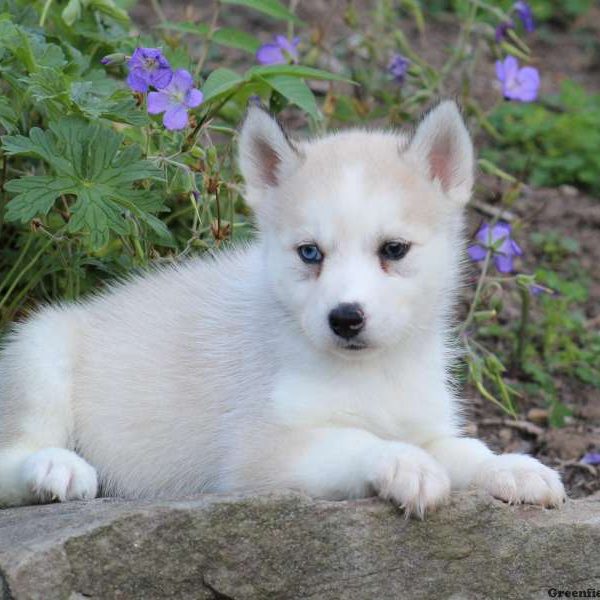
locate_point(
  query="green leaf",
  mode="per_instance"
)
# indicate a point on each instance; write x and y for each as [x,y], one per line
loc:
[89,162]
[226,36]
[294,71]
[109,8]
[71,12]
[200,29]
[35,196]
[233,38]
[8,115]
[94,214]
[48,88]
[296,91]
[105,99]
[272,8]
[39,143]
[219,82]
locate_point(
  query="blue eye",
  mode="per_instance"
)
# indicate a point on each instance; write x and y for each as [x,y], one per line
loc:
[310,254]
[394,250]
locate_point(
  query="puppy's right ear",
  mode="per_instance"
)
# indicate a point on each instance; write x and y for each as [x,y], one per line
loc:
[266,155]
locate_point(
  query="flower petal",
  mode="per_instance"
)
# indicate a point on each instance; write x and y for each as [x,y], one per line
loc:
[591,458]
[484,235]
[161,77]
[525,13]
[529,84]
[504,264]
[536,289]
[511,67]
[151,53]
[182,81]
[176,117]
[270,54]
[502,30]
[500,230]
[137,80]
[193,98]
[137,59]
[515,249]
[500,70]
[287,46]
[398,67]
[476,252]
[157,102]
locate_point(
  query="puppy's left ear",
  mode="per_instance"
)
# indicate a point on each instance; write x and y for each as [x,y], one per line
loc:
[266,154]
[442,146]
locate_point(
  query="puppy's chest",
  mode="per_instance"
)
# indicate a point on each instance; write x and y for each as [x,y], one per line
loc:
[391,406]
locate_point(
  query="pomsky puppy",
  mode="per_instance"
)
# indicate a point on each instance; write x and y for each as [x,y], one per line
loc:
[316,358]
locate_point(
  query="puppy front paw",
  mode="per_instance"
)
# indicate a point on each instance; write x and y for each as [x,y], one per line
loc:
[517,478]
[412,479]
[59,474]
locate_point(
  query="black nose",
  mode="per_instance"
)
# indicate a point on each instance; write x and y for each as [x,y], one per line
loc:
[347,319]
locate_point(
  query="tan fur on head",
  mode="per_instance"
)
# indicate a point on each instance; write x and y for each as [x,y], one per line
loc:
[441,149]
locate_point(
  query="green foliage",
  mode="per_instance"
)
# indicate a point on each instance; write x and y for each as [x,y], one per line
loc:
[560,12]
[552,143]
[93,186]
[88,163]
[551,341]
[562,346]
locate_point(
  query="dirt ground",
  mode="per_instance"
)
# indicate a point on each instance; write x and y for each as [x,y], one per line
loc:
[560,54]
[570,213]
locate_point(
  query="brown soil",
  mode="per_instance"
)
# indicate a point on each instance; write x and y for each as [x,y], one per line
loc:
[569,213]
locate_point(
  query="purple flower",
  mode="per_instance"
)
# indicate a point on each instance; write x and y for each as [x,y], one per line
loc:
[497,240]
[398,67]
[591,458]
[280,52]
[524,12]
[175,100]
[502,30]
[147,67]
[537,290]
[517,84]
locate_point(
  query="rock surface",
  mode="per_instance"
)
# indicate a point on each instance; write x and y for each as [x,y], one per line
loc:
[289,546]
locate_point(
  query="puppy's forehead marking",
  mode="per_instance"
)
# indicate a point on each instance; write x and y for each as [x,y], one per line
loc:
[359,184]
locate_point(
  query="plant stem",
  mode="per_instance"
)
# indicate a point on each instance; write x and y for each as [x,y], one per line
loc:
[472,309]
[208,39]
[157,8]
[45,10]
[24,271]
[3,175]
[190,140]
[523,325]
[292,8]
[17,263]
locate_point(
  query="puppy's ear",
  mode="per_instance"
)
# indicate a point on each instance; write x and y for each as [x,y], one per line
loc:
[266,155]
[442,146]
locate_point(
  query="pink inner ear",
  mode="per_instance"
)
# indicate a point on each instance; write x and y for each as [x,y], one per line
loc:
[440,169]
[268,161]
[440,162]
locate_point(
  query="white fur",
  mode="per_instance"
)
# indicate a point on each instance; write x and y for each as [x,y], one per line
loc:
[223,373]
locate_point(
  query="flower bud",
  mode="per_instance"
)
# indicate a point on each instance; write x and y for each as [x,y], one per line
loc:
[71,12]
[118,58]
[211,156]
[197,152]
